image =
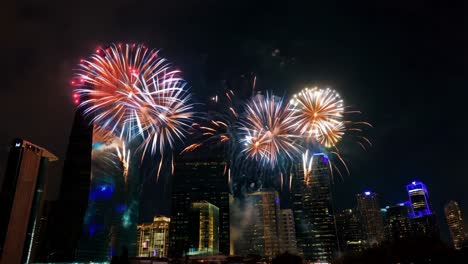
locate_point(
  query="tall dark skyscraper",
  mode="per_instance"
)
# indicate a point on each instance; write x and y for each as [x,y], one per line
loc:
[313,209]
[369,211]
[351,235]
[21,200]
[198,176]
[66,222]
[422,218]
[397,223]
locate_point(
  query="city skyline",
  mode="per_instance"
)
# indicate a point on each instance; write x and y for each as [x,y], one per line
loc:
[265,235]
[389,61]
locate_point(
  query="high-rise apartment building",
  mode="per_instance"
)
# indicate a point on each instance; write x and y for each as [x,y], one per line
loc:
[313,209]
[287,230]
[397,223]
[21,200]
[369,212]
[204,229]
[350,231]
[262,235]
[454,219]
[198,177]
[153,238]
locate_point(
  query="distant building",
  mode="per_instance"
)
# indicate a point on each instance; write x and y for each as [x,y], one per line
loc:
[204,229]
[397,222]
[454,219]
[369,212]
[423,220]
[313,209]
[198,177]
[419,199]
[262,235]
[67,214]
[288,241]
[153,238]
[22,200]
[350,231]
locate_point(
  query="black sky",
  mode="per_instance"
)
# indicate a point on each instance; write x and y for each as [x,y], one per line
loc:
[402,63]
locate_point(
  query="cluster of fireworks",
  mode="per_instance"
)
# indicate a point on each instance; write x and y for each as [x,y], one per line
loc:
[132,93]
[128,91]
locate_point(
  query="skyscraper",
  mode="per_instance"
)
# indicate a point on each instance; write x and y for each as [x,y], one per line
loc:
[153,238]
[369,211]
[313,209]
[351,235]
[198,177]
[455,223]
[22,199]
[262,235]
[288,241]
[110,222]
[423,220]
[419,199]
[204,231]
[397,222]
[65,224]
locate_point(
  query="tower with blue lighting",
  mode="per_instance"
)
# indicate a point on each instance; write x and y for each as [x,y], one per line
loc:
[419,199]
[422,218]
[110,222]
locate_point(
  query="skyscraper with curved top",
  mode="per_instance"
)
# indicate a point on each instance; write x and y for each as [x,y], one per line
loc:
[455,223]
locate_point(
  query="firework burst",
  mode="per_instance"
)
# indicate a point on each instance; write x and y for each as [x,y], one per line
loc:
[320,118]
[129,91]
[267,130]
[319,115]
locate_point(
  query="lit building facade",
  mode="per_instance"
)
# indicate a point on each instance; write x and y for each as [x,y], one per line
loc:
[397,223]
[351,235]
[198,177]
[153,238]
[22,200]
[369,212]
[288,241]
[262,235]
[423,220]
[313,209]
[204,231]
[454,219]
[419,199]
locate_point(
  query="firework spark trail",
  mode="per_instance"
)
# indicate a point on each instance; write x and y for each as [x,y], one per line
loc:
[124,156]
[219,128]
[268,131]
[130,91]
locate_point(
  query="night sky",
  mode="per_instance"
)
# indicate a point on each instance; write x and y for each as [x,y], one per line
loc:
[400,62]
